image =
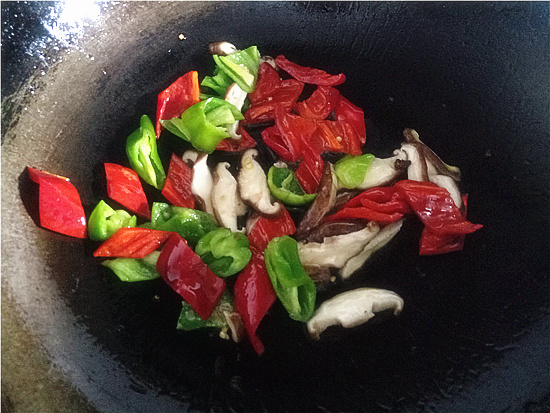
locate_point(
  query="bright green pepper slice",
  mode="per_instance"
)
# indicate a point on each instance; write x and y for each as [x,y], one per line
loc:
[351,170]
[191,224]
[189,319]
[284,186]
[104,221]
[224,251]
[135,269]
[204,124]
[293,286]
[219,82]
[241,66]
[141,149]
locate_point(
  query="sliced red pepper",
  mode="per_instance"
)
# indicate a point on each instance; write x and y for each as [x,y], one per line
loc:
[59,204]
[191,278]
[177,187]
[308,74]
[310,170]
[268,82]
[365,213]
[265,229]
[272,137]
[339,136]
[435,207]
[232,145]
[320,104]
[345,111]
[132,242]
[124,187]
[254,296]
[432,243]
[285,95]
[180,95]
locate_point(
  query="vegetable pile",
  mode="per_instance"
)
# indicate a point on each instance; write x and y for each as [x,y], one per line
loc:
[224,240]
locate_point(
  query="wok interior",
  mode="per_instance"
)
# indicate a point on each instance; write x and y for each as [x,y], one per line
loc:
[467,77]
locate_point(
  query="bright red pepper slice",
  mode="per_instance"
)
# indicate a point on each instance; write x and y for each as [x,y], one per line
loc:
[432,243]
[365,213]
[231,145]
[285,95]
[253,297]
[265,229]
[132,242]
[191,278]
[59,204]
[268,82]
[339,136]
[272,137]
[435,207]
[310,170]
[345,111]
[124,187]
[177,97]
[308,74]
[320,104]
[177,187]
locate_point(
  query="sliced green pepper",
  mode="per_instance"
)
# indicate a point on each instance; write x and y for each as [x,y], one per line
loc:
[241,66]
[189,319]
[141,149]
[204,124]
[224,251]
[351,170]
[104,221]
[135,269]
[284,186]
[191,224]
[290,281]
[219,82]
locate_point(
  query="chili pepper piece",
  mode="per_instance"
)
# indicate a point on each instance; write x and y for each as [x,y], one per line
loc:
[345,111]
[254,296]
[177,188]
[59,205]
[132,242]
[177,97]
[232,145]
[308,74]
[104,221]
[124,187]
[351,170]
[320,104]
[290,281]
[191,278]
[241,66]
[266,229]
[134,269]
[189,319]
[310,170]
[284,186]
[268,82]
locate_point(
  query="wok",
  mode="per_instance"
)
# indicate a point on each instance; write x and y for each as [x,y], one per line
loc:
[471,78]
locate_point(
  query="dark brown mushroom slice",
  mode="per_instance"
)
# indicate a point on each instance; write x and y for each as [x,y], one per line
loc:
[319,275]
[418,168]
[236,325]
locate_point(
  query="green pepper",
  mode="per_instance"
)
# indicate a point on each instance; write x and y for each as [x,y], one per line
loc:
[351,170]
[241,66]
[293,286]
[204,124]
[104,221]
[191,224]
[189,319]
[284,186]
[135,269]
[141,149]
[219,82]
[224,251]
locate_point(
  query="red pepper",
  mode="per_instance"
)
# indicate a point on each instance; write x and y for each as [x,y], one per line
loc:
[180,95]
[177,187]
[231,145]
[339,136]
[435,207]
[308,74]
[345,111]
[271,92]
[432,243]
[310,170]
[272,137]
[191,278]
[132,242]
[254,296]
[320,104]
[265,229]
[124,187]
[59,204]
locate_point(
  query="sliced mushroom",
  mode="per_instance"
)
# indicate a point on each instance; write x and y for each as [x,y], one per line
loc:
[353,308]
[236,96]
[385,235]
[324,201]
[418,169]
[222,48]
[319,274]
[332,228]
[202,184]
[225,198]
[383,172]
[253,187]
[335,251]
[270,60]
[190,157]
[236,325]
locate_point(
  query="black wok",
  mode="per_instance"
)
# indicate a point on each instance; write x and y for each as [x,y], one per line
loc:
[472,78]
